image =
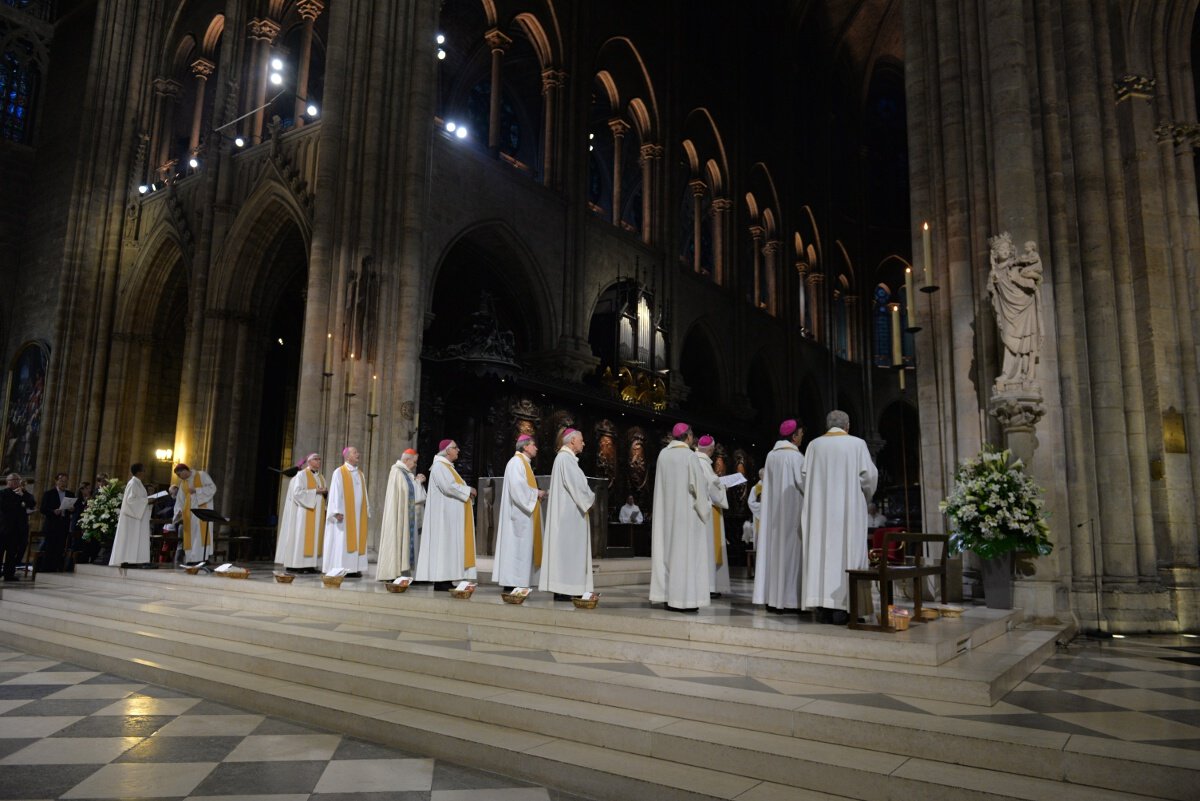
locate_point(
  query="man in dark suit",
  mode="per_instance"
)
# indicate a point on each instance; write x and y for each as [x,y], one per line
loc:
[56,524]
[15,507]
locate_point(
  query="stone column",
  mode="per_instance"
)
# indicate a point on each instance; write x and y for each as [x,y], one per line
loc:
[648,154]
[853,329]
[552,81]
[770,264]
[720,210]
[698,189]
[499,43]
[619,128]
[801,296]
[201,68]
[262,32]
[309,10]
[816,314]
[756,235]
[167,93]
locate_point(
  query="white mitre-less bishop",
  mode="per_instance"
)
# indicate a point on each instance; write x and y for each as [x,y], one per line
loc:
[448,538]
[195,492]
[346,539]
[398,528]
[132,542]
[718,574]
[681,548]
[567,557]
[839,480]
[301,540]
[777,569]
[519,531]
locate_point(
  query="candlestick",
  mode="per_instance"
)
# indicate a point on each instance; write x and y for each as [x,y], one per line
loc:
[373,399]
[928,246]
[329,354]
[902,379]
[909,298]
[897,348]
[350,377]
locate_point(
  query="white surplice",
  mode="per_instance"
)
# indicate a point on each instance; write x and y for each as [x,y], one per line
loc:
[132,543]
[718,575]
[296,547]
[839,480]
[515,554]
[444,550]
[754,501]
[192,536]
[777,568]
[398,528]
[681,549]
[567,553]
[336,556]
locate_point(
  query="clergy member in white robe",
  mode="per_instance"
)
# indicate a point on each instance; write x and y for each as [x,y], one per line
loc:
[681,544]
[301,542]
[754,501]
[398,528]
[448,543]
[718,574]
[131,546]
[348,511]
[567,554]
[196,491]
[839,480]
[777,568]
[519,532]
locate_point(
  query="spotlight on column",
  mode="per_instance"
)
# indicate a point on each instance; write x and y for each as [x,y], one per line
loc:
[441,54]
[451,125]
[193,162]
[461,133]
[143,189]
[239,141]
[441,39]
[277,78]
[312,109]
[277,64]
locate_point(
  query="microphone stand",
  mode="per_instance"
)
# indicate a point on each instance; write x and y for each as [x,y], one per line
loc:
[1097,633]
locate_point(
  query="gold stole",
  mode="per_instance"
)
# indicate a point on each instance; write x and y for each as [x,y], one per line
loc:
[354,520]
[757,497]
[187,513]
[310,520]
[717,534]
[537,515]
[468,526]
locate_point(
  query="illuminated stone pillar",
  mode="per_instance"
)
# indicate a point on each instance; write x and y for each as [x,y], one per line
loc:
[619,128]
[262,33]
[698,189]
[201,68]
[309,10]
[499,43]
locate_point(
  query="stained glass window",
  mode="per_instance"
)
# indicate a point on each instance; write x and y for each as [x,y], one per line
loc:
[18,82]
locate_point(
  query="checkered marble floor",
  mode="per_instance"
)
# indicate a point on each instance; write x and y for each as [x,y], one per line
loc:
[72,733]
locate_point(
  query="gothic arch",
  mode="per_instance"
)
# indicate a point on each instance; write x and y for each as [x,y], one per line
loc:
[701,359]
[144,286]
[628,80]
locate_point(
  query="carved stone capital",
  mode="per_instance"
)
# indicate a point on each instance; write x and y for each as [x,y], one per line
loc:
[757,231]
[698,188]
[721,204]
[1018,410]
[525,409]
[202,68]
[553,79]
[1134,86]
[168,88]
[497,40]
[815,279]
[263,29]
[771,247]
[650,151]
[619,127]
[309,10]
[1178,133]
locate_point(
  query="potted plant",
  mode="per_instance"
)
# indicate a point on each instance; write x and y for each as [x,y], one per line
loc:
[996,510]
[98,521]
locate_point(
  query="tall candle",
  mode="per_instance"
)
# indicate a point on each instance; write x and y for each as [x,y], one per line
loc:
[897,351]
[350,376]
[373,404]
[329,354]
[910,298]
[925,241]
[417,422]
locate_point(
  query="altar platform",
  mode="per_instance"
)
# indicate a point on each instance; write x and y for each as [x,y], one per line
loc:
[623,701]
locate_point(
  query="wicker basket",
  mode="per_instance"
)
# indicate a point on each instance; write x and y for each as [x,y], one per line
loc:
[513,599]
[396,587]
[590,603]
[332,581]
[462,595]
[930,613]
[284,578]
[951,611]
[235,573]
[191,571]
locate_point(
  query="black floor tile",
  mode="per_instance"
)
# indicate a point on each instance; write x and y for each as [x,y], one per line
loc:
[409,795]
[447,776]
[1187,745]
[277,726]
[1191,717]
[181,749]
[115,726]
[41,781]
[18,692]
[351,748]
[10,745]
[63,706]
[106,678]
[262,778]
[1040,701]
[213,708]
[1036,721]
[1072,681]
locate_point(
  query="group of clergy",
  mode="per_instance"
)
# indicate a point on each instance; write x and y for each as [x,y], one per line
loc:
[195,490]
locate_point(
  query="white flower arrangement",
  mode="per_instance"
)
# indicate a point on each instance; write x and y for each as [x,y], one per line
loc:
[996,508]
[98,521]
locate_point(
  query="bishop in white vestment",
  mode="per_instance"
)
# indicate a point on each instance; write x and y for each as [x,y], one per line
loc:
[398,529]
[777,571]
[131,546]
[839,480]
[347,514]
[718,575]
[681,543]
[301,540]
[567,557]
[448,543]
[754,502]
[196,491]
[519,532]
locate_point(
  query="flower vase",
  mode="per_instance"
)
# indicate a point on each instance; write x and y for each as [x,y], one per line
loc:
[998,581]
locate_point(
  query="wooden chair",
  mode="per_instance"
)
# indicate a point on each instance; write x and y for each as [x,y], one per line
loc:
[886,573]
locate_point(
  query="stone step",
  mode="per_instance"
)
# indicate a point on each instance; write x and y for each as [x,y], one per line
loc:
[564,701]
[666,759]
